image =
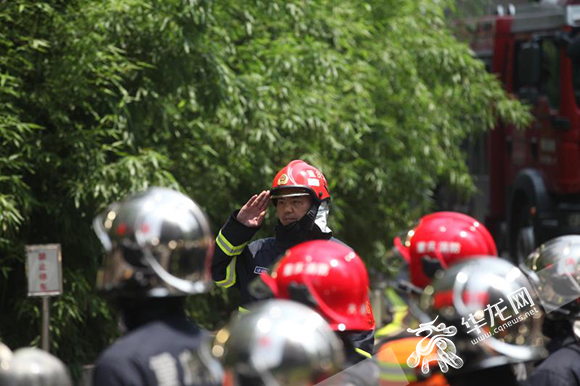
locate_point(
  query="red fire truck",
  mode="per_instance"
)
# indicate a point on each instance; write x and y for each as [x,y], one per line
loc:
[534,173]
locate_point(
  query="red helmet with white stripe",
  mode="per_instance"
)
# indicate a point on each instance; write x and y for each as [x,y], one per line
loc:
[299,174]
[329,277]
[440,240]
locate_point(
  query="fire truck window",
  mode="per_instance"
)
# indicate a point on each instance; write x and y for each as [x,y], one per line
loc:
[550,75]
[527,70]
[517,85]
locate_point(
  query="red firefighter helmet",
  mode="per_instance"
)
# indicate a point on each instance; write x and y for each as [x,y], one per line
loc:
[328,276]
[440,240]
[299,174]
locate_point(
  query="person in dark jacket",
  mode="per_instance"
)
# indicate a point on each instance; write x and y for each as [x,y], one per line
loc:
[301,196]
[554,269]
[158,246]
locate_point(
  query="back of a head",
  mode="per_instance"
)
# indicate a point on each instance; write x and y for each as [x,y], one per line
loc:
[441,240]
[279,343]
[158,244]
[34,367]
[329,277]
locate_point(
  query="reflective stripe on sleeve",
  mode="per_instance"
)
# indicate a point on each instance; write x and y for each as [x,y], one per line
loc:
[227,247]
[230,279]
[363,352]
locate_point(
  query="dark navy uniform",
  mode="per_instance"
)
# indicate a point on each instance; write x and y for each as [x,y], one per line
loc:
[169,351]
[561,368]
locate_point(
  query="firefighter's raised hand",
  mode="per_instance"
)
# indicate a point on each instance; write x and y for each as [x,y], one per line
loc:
[253,212]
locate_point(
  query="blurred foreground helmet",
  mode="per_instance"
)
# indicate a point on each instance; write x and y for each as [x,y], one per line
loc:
[494,308]
[554,270]
[440,240]
[5,357]
[279,343]
[158,244]
[327,276]
[34,367]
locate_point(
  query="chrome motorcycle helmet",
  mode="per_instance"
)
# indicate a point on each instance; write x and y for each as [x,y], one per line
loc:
[494,308]
[33,367]
[278,343]
[158,243]
[554,270]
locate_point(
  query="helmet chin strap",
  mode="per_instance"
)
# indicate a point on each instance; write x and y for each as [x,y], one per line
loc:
[307,221]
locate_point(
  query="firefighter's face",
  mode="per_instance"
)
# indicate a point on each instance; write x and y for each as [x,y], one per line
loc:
[292,209]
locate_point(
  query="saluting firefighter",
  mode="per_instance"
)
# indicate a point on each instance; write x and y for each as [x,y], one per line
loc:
[301,197]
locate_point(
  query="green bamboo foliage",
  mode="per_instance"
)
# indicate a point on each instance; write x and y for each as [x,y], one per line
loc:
[99,99]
